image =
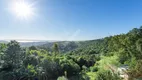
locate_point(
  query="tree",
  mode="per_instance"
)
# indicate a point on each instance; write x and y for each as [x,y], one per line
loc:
[2,47]
[106,75]
[32,48]
[2,50]
[13,55]
[139,45]
[136,69]
[13,61]
[55,48]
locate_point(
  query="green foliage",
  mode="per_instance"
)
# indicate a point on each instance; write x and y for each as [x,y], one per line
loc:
[139,46]
[31,70]
[12,53]
[94,69]
[108,61]
[78,60]
[55,49]
[2,47]
[32,48]
[136,69]
[70,67]
[62,78]
[106,75]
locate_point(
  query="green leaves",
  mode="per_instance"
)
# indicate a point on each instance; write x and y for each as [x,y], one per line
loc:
[107,75]
[55,49]
[31,70]
[84,58]
[139,45]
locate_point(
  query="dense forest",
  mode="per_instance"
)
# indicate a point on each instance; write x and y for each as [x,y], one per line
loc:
[74,60]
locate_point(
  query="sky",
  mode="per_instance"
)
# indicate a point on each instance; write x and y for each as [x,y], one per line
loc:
[70,19]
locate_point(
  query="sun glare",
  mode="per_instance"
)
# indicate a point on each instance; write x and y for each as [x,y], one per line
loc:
[22,9]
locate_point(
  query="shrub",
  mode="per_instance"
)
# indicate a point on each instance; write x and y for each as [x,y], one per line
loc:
[107,75]
[62,78]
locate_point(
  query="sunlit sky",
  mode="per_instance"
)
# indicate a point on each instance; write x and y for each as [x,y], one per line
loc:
[70,19]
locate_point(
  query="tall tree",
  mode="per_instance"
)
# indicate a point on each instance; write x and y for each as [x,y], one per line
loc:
[55,48]
[139,46]
[13,54]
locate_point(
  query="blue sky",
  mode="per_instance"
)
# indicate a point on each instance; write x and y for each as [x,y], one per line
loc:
[71,19]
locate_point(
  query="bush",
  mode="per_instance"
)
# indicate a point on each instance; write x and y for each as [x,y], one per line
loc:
[107,75]
[93,69]
[62,78]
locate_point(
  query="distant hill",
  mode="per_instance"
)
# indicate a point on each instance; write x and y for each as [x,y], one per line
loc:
[64,46]
[3,41]
[28,44]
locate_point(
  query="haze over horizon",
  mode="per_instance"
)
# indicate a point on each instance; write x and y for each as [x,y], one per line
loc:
[67,19]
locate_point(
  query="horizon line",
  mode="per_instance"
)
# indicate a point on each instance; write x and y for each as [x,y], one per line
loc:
[34,40]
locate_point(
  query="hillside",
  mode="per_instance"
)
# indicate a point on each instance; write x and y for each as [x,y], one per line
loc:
[84,60]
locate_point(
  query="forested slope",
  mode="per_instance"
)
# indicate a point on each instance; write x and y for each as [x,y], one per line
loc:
[73,60]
